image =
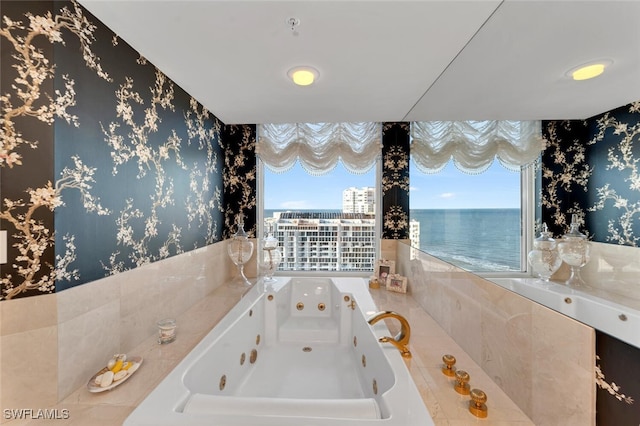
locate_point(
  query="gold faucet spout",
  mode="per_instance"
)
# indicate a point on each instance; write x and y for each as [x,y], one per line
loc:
[401,341]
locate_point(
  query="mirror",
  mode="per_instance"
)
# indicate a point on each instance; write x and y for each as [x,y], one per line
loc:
[610,304]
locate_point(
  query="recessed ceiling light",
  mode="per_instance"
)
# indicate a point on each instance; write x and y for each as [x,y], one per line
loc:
[587,71]
[303,76]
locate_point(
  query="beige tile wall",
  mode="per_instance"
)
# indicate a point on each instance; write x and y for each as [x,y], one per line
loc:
[50,345]
[28,352]
[544,361]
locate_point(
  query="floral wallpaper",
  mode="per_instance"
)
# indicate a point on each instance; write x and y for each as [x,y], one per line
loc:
[105,163]
[591,168]
[240,179]
[395,180]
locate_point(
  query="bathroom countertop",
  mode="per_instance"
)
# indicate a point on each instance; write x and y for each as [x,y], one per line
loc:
[428,343]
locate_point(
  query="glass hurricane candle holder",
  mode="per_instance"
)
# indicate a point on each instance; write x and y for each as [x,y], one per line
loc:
[574,251]
[544,258]
[240,250]
[271,258]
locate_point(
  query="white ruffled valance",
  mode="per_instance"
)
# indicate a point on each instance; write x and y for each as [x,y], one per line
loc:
[319,146]
[473,145]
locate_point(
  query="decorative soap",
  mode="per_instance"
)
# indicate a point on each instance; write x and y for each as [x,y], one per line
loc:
[133,368]
[107,379]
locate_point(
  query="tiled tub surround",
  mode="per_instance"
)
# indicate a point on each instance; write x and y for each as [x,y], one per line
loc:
[428,343]
[51,344]
[543,360]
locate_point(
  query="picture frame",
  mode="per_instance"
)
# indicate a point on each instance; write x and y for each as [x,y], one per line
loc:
[384,268]
[397,283]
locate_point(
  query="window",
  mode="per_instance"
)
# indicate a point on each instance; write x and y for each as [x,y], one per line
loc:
[478,222]
[327,221]
[322,223]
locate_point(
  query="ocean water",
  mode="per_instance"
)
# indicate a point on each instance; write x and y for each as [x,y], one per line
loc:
[478,240]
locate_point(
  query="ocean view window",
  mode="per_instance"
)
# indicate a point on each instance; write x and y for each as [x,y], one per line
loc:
[471,191]
[474,221]
[319,189]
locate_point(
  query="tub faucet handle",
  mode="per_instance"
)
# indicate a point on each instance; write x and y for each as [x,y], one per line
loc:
[449,368]
[462,382]
[401,340]
[477,405]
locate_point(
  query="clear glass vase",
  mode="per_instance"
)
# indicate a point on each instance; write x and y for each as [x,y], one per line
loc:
[271,258]
[574,251]
[240,250]
[544,258]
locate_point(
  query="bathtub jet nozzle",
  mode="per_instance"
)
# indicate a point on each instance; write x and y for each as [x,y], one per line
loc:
[401,341]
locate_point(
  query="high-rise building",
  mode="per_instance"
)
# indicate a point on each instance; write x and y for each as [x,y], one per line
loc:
[323,241]
[359,200]
[414,236]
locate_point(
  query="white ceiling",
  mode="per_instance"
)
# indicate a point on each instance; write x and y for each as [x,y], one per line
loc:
[387,60]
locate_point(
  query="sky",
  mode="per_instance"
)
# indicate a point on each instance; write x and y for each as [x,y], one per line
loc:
[449,189]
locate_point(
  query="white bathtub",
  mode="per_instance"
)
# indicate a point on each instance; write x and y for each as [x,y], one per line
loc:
[298,352]
[615,319]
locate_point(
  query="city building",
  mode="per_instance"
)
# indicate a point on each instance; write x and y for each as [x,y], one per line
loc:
[414,236]
[324,241]
[359,200]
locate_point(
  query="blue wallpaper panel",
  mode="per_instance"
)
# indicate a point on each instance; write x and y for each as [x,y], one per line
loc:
[136,173]
[25,140]
[591,168]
